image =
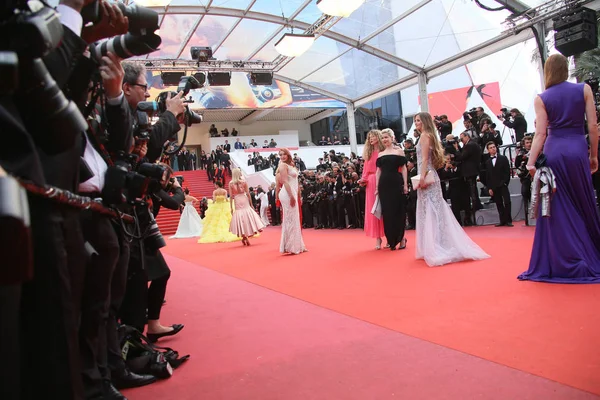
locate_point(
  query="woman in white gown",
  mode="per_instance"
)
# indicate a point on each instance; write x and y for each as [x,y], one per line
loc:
[291,231]
[440,238]
[190,223]
[264,205]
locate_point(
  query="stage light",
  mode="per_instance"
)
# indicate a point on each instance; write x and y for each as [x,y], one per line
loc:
[261,79]
[294,45]
[338,8]
[219,78]
[153,3]
[201,54]
[171,78]
[200,77]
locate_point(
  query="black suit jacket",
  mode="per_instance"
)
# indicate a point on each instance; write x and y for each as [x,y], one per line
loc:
[470,157]
[165,129]
[227,147]
[499,175]
[272,198]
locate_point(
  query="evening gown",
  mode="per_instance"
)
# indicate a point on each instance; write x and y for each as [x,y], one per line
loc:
[217,221]
[440,238]
[190,223]
[291,230]
[392,197]
[245,221]
[373,225]
[566,245]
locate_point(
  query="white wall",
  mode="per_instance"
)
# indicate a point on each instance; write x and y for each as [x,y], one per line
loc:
[287,140]
[198,134]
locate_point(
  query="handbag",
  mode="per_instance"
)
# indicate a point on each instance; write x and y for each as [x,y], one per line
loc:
[376,210]
[429,179]
[541,161]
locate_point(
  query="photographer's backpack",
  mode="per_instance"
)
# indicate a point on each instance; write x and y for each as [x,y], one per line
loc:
[143,357]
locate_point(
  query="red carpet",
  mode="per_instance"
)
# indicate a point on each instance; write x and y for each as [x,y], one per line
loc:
[478,308]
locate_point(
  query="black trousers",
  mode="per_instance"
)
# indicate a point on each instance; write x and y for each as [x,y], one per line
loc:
[133,308]
[275,215]
[411,209]
[471,197]
[526,193]
[100,234]
[340,211]
[323,206]
[50,363]
[502,200]
[350,210]
[156,296]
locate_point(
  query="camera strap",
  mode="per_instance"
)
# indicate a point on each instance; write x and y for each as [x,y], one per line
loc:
[93,128]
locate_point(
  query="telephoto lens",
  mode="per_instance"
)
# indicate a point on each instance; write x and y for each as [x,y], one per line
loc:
[125,46]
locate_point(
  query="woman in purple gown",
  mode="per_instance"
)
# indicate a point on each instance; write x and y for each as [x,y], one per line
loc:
[566,247]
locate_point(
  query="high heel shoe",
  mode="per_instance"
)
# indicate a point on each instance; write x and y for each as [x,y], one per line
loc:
[153,337]
[403,245]
[378,246]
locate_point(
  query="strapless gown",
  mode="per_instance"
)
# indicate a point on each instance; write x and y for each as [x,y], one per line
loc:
[217,221]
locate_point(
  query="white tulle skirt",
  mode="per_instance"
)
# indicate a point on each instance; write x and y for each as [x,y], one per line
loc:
[190,223]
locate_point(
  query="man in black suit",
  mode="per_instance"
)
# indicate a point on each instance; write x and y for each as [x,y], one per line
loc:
[273,205]
[469,157]
[498,178]
[227,146]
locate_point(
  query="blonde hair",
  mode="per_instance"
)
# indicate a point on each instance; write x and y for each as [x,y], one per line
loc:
[236,176]
[437,152]
[556,70]
[369,149]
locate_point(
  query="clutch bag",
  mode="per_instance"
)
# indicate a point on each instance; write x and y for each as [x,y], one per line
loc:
[376,210]
[429,179]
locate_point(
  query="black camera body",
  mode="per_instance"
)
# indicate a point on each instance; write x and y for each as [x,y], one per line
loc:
[504,114]
[471,115]
[33,33]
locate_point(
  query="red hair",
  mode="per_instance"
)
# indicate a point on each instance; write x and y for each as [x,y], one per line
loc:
[290,161]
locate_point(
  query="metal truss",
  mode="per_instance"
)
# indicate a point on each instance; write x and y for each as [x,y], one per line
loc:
[540,14]
[210,66]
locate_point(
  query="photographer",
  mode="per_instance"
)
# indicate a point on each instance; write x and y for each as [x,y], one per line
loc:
[135,88]
[443,126]
[515,120]
[143,303]
[521,162]
[469,157]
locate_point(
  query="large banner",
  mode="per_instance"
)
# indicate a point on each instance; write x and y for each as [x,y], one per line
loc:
[455,102]
[241,94]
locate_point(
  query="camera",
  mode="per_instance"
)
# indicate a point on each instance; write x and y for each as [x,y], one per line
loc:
[504,114]
[141,38]
[470,115]
[33,32]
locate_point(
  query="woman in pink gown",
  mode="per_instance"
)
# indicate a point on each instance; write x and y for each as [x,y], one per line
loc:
[373,145]
[245,222]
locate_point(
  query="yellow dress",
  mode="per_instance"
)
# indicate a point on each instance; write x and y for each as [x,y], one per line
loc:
[217,221]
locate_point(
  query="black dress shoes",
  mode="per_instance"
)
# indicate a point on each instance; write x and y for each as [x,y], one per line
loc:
[153,337]
[111,393]
[497,225]
[125,379]
[509,224]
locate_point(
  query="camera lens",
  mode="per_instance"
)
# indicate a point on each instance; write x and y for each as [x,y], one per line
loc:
[142,20]
[125,46]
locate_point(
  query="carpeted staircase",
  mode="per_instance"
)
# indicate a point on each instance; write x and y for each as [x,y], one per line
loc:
[199,185]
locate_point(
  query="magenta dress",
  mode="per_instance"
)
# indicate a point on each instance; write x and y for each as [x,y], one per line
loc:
[244,221]
[373,226]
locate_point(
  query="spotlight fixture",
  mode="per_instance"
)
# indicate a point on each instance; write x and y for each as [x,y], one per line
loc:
[294,45]
[171,78]
[201,54]
[149,64]
[337,8]
[200,77]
